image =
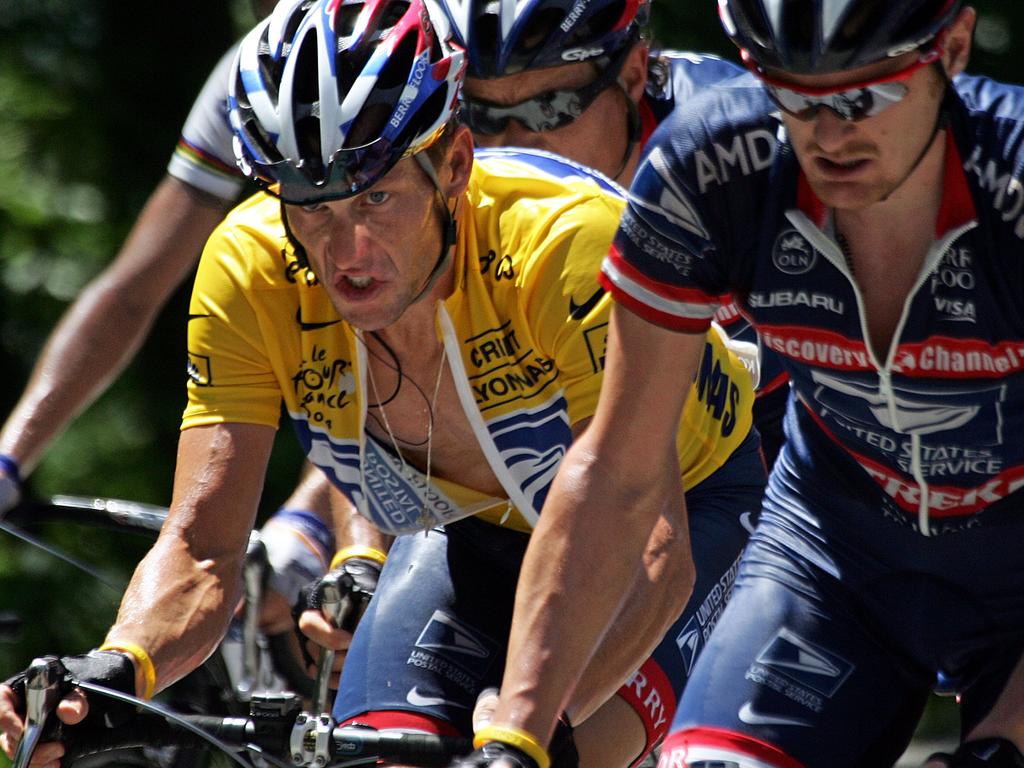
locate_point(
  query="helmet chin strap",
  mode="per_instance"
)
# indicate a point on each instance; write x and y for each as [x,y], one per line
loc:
[632,133]
[941,121]
[297,247]
[448,233]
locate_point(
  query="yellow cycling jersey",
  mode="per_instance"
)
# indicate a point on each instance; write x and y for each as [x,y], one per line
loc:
[524,332]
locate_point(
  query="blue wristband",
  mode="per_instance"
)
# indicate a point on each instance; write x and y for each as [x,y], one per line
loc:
[310,524]
[10,466]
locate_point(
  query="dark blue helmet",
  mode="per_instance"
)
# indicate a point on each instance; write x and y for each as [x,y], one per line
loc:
[813,37]
[503,37]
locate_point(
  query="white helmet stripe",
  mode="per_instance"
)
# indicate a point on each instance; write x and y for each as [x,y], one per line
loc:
[262,105]
[278,23]
[832,13]
[509,15]
[327,86]
[287,142]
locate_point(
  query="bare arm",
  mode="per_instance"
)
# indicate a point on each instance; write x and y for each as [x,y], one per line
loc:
[351,528]
[657,595]
[587,550]
[1006,719]
[317,494]
[105,326]
[182,594]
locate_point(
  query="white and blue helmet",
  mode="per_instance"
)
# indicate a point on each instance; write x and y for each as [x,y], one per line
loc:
[327,95]
[503,37]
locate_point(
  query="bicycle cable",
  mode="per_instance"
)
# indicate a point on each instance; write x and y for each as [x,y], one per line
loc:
[60,554]
[174,717]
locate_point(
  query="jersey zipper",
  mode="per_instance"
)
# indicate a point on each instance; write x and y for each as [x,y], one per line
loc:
[830,249]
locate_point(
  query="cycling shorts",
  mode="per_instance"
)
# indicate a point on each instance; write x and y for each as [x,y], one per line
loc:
[841,617]
[435,634]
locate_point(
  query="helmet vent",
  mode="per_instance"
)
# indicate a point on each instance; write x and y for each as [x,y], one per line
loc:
[393,14]
[539,28]
[858,25]
[399,64]
[345,20]
[377,108]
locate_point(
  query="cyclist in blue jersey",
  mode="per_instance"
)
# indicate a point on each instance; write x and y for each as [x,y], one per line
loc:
[860,197]
[442,347]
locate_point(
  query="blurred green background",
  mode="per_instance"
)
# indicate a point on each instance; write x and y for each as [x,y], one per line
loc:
[92,95]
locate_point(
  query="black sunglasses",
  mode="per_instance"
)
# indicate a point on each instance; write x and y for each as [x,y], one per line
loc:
[351,171]
[545,111]
[853,101]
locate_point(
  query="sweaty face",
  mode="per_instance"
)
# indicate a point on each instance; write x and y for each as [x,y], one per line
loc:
[596,138]
[374,252]
[851,165]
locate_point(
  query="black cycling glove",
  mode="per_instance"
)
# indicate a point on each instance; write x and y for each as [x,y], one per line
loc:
[983,753]
[563,745]
[343,593]
[351,584]
[110,669]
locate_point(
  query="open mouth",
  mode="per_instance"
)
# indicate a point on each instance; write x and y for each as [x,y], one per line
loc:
[840,167]
[357,287]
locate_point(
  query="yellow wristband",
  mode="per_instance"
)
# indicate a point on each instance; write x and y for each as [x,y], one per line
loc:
[356,550]
[516,737]
[141,659]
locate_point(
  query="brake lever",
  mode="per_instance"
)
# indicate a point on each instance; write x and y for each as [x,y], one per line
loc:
[43,690]
[254,571]
[336,604]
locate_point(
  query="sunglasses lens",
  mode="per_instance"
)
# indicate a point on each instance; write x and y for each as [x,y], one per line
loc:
[884,95]
[545,112]
[351,171]
[796,104]
[851,105]
[854,104]
[483,118]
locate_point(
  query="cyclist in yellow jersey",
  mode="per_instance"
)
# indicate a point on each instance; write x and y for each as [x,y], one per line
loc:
[520,327]
[435,329]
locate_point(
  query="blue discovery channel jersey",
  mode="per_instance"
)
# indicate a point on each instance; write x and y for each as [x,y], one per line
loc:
[720,210]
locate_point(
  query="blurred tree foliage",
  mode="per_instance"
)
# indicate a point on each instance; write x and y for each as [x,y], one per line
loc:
[92,95]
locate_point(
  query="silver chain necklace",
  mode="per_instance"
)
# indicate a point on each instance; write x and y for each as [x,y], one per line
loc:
[425,518]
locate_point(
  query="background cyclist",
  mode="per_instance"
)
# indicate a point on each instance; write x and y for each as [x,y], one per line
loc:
[866,178]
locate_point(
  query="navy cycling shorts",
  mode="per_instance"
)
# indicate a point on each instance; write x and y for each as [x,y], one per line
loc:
[841,617]
[435,633]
